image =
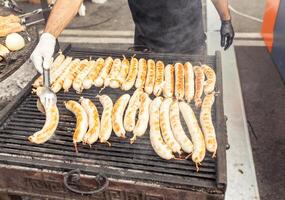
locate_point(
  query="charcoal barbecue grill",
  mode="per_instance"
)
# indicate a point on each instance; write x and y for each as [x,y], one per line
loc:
[122,171]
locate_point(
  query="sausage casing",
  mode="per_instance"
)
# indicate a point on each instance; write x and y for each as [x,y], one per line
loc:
[199,85]
[52,119]
[143,117]
[157,143]
[106,119]
[117,115]
[207,124]
[168,89]
[197,137]
[177,128]
[77,83]
[92,134]
[130,115]
[179,81]
[99,82]
[124,70]
[114,74]
[141,73]
[189,82]
[150,77]
[81,121]
[57,85]
[131,78]
[209,85]
[73,73]
[165,127]
[94,73]
[159,77]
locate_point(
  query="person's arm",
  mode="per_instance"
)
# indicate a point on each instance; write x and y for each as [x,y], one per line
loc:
[61,15]
[227,31]
[222,7]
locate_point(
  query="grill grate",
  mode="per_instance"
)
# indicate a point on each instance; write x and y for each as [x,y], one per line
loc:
[122,161]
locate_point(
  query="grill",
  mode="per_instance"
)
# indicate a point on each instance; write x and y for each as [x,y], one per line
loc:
[15,59]
[133,171]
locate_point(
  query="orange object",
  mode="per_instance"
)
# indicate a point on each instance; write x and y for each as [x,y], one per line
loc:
[269,18]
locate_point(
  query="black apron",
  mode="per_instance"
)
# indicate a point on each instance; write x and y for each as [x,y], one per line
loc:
[174,26]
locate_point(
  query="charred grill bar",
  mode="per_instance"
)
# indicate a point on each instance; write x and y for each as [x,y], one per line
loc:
[134,171]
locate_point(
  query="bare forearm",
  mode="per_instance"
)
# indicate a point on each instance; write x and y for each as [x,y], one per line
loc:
[222,7]
[61,15]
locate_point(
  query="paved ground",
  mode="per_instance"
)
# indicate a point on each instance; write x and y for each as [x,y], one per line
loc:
[253,8]
[264,94]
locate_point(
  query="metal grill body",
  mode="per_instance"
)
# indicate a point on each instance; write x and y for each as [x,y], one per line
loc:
[134,170]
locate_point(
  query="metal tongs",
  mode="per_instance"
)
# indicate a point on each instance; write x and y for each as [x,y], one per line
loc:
[11,4]
[47,96]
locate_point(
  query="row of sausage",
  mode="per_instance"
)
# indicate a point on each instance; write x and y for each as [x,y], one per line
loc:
[133,114]
[182,81]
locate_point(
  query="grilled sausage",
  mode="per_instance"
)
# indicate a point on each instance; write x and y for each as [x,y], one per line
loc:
[179,81]
[11,28]
[78,81]
[92,76]
[197,137]
[56,63]
[168,89]
[99,82]
[117,115]
[3,52]
[199,85]
[165,127]
[177,128]
[189,82]
[141,73]
[92,134]
[9,19]
[130,115]
[124,70]
[131,78]
[207,124]
[73,73]
[150,78]
[143,117]
[52,119]
[159,77]
[157,143]
[209,85]
[106,119]
[57,85]
[81,121]
[114,74]
[59,70]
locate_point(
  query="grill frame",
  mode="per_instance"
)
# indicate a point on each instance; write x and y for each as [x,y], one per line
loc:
[216,191]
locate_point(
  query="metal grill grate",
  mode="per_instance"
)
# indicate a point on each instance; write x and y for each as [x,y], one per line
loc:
[122,161]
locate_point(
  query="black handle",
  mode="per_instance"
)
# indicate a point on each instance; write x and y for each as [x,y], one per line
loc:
[140,48]
[74,177]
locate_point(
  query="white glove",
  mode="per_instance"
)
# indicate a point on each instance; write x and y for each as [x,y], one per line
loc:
[42,55]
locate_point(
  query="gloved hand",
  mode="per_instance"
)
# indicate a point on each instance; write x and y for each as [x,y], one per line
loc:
[227,34]
[42,55]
